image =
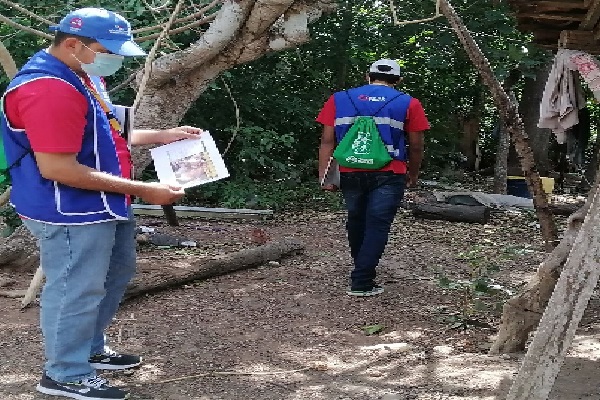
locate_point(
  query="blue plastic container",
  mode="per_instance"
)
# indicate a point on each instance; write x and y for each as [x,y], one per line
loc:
[517,186]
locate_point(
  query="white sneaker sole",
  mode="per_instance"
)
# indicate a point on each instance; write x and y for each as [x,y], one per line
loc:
[364,294]
[112,367]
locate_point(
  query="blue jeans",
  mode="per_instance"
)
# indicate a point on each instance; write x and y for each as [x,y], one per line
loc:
[87,269]
[372,200]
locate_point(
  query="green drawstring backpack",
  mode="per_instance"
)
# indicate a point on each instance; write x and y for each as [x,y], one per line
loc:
[362,147]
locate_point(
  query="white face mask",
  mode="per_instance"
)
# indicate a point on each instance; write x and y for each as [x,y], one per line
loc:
[104,64]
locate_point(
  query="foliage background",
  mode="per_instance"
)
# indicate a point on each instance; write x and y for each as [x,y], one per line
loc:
[273,157]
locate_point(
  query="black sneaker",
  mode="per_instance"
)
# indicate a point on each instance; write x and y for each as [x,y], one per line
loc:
[374,291]
[87,389]
[114,361]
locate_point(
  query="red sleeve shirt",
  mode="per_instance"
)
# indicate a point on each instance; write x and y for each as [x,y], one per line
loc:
[51,111]
[327,115]
[53,115]
[416,120]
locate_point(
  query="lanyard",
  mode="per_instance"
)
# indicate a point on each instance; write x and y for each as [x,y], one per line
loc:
[109,114]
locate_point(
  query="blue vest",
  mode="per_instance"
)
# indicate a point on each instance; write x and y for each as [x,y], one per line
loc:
[40,199]
[368,100]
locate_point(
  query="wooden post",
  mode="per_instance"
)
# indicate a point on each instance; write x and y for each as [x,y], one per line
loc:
[170,215]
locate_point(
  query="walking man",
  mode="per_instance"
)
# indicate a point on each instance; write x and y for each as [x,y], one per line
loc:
[372,196]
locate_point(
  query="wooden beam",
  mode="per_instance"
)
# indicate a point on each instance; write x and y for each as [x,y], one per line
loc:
[592,16]
[555,5]
[564,5]
[571,17]
[597,32]
[579,40]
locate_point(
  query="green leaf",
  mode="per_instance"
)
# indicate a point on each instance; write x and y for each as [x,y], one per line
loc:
[373,329]
[480,305]
[444,282]
[481,285]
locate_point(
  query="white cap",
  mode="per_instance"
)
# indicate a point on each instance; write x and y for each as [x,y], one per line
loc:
[385,66]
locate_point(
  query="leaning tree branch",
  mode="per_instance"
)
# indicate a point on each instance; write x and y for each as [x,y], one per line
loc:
[514,124]
[157,9]
[152,54]
[10,22]
[27,12]
[526,306]
[228,21]
[200,13]
[7,62]
[175,31]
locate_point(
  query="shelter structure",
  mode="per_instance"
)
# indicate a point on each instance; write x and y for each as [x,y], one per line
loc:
[571,24]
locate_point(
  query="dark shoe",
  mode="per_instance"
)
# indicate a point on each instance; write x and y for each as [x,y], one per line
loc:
[114,361]
[374,291]
[87,389]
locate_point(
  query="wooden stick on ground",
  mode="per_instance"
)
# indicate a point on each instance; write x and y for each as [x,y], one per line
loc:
[239,373]
[179,273]
[34,288]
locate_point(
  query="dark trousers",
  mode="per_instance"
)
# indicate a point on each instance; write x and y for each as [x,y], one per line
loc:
[372,200]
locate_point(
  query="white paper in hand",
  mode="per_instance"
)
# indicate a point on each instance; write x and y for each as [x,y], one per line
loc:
[332,174]
[189,162]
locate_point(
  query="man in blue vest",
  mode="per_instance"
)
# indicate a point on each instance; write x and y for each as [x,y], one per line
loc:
[372,196]
[71,174]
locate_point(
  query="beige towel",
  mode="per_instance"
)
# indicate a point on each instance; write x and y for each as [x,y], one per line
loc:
[563,95]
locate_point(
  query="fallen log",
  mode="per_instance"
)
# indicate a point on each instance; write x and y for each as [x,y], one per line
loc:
[451,212]
[565,209]
[13,294]
[174,274]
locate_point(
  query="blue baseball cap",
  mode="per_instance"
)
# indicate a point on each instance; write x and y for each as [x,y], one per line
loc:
[108,28]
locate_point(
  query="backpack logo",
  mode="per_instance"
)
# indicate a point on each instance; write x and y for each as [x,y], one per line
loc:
[362,143]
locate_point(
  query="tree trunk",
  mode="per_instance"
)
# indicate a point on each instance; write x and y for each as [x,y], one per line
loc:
[469,141]
[592,168]
[501,165]
[201,268]
[503,148]
[569,300]
[7,62]
[509,112]
[529,108]
[19,250]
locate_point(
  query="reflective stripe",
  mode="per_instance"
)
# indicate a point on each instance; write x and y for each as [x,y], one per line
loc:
[390,149]
[344,121]
[378,120]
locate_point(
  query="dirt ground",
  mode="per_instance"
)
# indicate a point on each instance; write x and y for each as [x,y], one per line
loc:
[289,331]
